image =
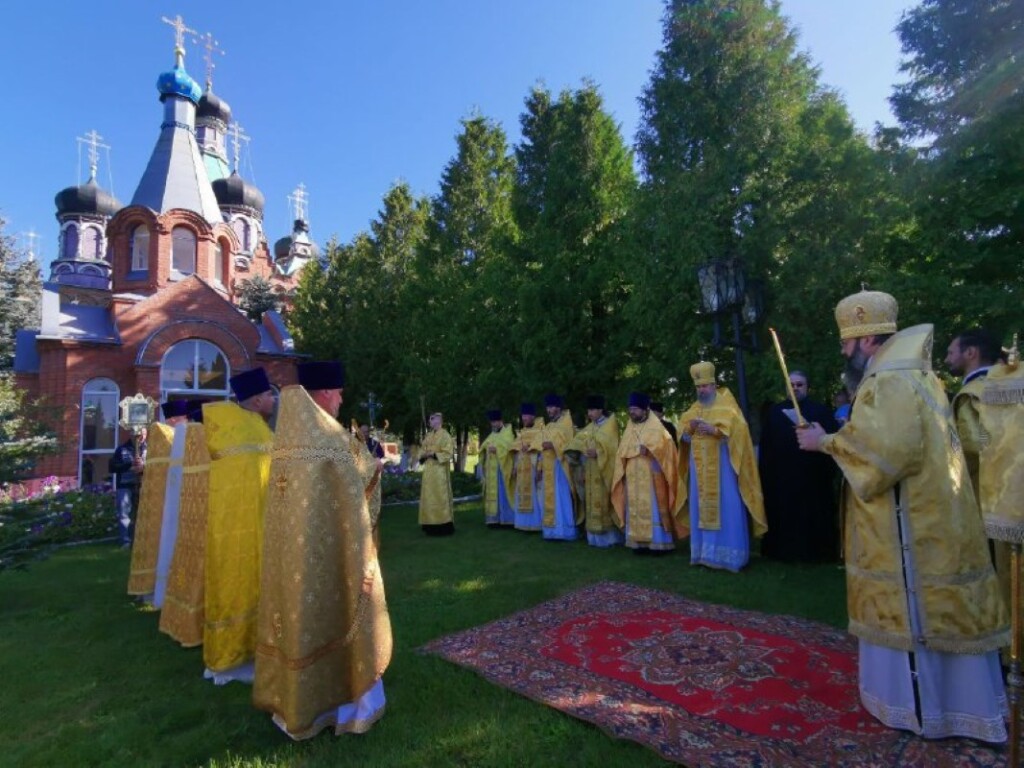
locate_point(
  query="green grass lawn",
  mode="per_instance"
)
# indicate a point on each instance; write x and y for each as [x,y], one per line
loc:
[87,680]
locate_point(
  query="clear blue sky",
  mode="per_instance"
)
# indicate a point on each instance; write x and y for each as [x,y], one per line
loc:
[348,97]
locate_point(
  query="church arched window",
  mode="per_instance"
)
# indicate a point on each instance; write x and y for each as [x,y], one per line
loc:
[70,250]
[140,249]
[183,251]
[194,368]
[98,434]
[92,243]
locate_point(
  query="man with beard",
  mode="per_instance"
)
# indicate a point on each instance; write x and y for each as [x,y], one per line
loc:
[921,592]
[971,354]
[596,445]
[644,484]
[554,488]
[496,472]
[718,481]
[799,487]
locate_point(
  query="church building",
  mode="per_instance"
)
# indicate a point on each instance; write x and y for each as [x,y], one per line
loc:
[143,298]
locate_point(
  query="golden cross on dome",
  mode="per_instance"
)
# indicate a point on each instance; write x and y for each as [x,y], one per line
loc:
[212,47]
[179,34]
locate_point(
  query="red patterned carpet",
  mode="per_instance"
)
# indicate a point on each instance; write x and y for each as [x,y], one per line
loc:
[703,685]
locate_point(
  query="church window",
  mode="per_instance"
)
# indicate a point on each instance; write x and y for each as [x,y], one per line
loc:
[218,262]
[70,250]
[242,232]
[92,243]
[98,433]
[194,368]
[183,251]
[140,249]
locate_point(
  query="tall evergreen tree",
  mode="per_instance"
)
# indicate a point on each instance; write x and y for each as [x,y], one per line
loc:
[575,190]
[461,310]
[746,156]
[20,292]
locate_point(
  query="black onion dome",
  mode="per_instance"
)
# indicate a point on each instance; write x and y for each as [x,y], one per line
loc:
[86,200]
[235,191]
[212,105]
[283,247]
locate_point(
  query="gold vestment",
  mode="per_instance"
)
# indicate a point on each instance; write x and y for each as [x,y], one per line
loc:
[598,473]
[436,482]
[725,414]
[524,465]
[323,634]
[496,468]
[239,442]
[634,477]
[182,616]
[899,453]
[148,521]
[559,433]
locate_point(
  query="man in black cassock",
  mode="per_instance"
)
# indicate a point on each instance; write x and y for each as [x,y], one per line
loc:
[800,497]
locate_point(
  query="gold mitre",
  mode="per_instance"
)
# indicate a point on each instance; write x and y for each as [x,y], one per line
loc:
[703,373]
[865,314]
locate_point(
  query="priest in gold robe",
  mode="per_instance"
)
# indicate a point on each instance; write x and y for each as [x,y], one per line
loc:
[496,472]
[560,515]
[525,449]
[437,512]
[239,440]
[719,486]
[922,595]
[323,632]
[644,482]
[596,446]
[183,614]
[148,521]
[175,414]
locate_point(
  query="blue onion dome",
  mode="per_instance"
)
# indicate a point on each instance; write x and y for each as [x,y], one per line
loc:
[86,200]
[235,191]
[212,105]
[178,82]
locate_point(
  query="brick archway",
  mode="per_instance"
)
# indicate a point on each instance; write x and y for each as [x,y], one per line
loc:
[152,350]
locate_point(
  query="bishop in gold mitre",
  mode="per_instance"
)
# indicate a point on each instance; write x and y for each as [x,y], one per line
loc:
[921,592]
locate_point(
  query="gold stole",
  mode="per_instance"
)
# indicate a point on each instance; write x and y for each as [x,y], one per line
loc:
[525,464]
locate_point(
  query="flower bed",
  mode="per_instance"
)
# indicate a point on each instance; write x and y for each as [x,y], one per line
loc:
[31,528]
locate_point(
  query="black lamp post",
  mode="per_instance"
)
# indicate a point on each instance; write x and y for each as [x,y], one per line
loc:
[726,290]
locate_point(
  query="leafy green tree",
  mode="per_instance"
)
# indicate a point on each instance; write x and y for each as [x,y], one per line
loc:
[963,103]
[25,434]
[255,296]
